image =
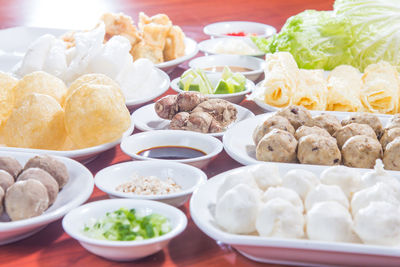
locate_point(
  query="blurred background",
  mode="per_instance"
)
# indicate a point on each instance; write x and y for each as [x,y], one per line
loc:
[83,14]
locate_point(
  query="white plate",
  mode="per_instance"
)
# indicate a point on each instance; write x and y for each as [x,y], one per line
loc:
[220,29]
[256,65]
[74,222]
[187,177]
[83,155]
[233,98]
[74,193]
[146,119]
[208,46]
[191,49]
[238,140]
[286,251]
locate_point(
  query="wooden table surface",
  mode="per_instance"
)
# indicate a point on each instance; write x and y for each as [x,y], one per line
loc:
[52,246]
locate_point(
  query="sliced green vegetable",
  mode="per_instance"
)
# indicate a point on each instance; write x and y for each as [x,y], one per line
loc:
[127,225]
[197,80]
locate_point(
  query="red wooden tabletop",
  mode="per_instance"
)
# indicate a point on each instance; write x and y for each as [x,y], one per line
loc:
[52,246]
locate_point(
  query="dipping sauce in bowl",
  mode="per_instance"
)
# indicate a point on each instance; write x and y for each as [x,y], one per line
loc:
[240,34]
[171,152]
[232,68]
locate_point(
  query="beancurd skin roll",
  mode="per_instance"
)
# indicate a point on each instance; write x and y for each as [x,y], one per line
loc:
[380,91]
[281,73]
[344,89]
[311,91]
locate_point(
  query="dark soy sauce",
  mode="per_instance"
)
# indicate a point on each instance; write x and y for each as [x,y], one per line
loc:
[171,152]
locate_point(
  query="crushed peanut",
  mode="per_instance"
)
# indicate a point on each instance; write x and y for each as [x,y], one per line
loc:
[149,185]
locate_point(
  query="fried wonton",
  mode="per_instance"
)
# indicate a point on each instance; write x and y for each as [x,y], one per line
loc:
[174,44]
[143,50]
[120,24]
[160,19]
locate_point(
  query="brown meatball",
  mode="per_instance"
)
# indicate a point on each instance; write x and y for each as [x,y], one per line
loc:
[391,159]
[277,146]
[10,165]
[6,180]
[327,122]
[394,122]
[353,129]
[361,151]
[306,130]
[273,122]
[45,178]
[388,136]
[317,149]
[297,115]
[365,118]
[53,166]
[26,199]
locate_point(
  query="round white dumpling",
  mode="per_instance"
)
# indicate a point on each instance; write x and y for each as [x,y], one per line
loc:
[301,181]
[378,223]
[346,178]
[378,192]
[283,193]
[379,175]
[266,175]
[323,192]
[330,221]
[279,218]
[238,177]
[236,211]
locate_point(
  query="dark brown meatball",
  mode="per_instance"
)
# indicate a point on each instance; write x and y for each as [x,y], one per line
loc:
[53,166]
[45,178]
[10,165]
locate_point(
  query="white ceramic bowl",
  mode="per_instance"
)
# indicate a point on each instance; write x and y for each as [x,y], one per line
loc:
[187,177]
[191,49]
[208,46]
[256,65]
[74,193]
[235,98]
[74,222]
[221,29]
[83,155]
[133,144]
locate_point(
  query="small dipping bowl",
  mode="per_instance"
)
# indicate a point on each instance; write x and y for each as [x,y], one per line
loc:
[221,29]
[255,65]
[207,146]
[235,98]
[230,46]
[75,220]
[186,176]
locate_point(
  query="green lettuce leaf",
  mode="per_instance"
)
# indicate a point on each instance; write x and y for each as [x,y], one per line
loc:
[356,32]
